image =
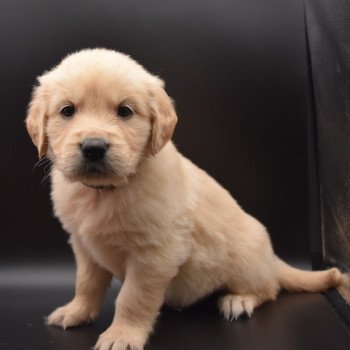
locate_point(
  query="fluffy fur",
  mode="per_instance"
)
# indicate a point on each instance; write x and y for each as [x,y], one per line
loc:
[163,227]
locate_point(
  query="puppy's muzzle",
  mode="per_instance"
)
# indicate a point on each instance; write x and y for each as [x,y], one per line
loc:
[94,149]
[94,159]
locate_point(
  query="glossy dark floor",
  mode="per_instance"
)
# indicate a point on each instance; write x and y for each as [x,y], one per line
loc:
[293,322]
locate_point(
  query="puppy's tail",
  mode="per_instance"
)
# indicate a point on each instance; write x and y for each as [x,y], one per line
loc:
[293,279]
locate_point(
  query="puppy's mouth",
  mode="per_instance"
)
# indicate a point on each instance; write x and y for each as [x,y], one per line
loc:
[100,187]
[94,165]
[97,175]
[94,170]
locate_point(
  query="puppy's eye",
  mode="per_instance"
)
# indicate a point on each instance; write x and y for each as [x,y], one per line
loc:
[68,111]
[124,111]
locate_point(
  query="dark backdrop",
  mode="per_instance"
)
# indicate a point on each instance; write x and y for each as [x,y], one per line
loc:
[237,70]
[328,23]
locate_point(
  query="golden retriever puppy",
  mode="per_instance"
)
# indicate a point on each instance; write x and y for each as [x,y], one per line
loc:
[136,209]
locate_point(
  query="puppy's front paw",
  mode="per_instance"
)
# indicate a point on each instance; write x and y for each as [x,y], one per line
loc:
[72,314]
[114,339]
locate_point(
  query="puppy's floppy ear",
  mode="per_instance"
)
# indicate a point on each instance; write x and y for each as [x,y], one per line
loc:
[164,117]
[36,120]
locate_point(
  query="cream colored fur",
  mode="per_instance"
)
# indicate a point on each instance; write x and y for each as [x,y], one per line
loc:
[167,229]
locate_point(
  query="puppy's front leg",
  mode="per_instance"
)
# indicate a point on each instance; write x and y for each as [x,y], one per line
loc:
[90,287]
[137,307]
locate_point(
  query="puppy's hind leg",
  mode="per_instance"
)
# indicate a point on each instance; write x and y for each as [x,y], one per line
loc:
[232,306]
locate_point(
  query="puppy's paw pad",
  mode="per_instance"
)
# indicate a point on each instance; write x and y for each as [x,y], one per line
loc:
[56,317]
[69,315]
[233,306]
[115,341]
[249,303]
[104,344]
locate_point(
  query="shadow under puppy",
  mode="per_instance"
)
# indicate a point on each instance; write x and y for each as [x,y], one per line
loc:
[135,208]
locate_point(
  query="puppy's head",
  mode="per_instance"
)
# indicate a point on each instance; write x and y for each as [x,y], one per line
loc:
[98,114]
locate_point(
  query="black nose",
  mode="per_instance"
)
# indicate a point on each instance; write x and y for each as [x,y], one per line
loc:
[94,149]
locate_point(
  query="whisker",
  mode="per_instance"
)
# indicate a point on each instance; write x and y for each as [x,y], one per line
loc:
[44,180]
[47,165]
[41,162]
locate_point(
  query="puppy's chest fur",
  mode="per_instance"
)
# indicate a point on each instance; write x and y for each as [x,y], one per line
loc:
[103,223]
[110,227]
